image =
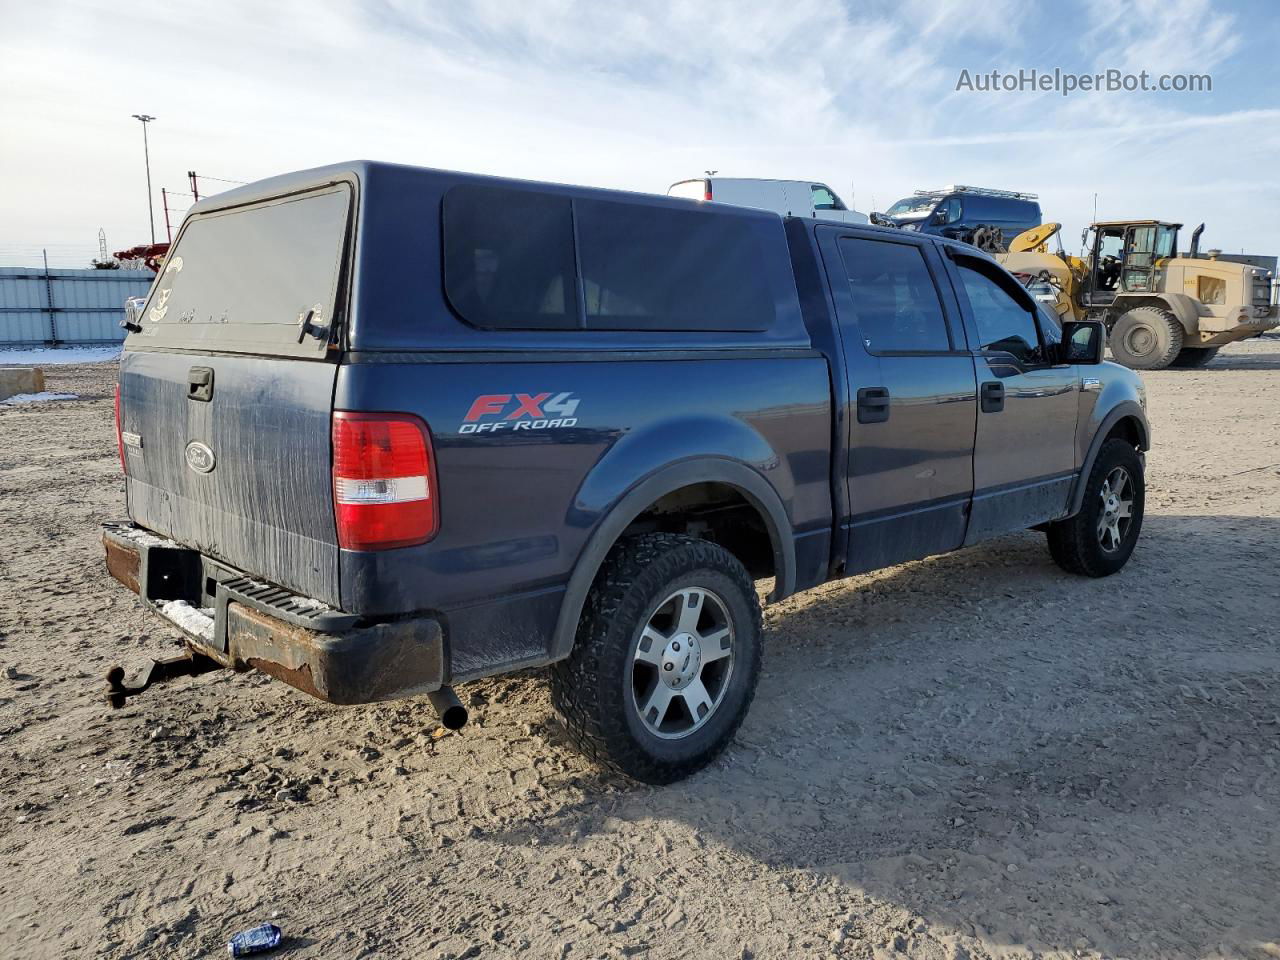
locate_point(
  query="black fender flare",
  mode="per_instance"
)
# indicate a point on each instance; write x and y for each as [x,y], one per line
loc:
[757,491]
[1124,409]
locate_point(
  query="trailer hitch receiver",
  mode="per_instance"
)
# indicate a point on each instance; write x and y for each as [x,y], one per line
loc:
[188,664]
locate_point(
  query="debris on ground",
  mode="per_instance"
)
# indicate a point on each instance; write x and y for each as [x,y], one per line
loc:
[259,939]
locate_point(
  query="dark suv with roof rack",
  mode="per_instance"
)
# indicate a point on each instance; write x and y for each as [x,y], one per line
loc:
[956,211]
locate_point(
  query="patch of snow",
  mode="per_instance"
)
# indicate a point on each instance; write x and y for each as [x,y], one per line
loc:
[143,537]
[194,620]
[53,356]
[18,399]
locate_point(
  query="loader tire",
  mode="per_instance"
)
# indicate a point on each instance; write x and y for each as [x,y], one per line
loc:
[1146,338]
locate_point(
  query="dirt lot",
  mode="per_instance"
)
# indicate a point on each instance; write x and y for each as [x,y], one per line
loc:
[971,756]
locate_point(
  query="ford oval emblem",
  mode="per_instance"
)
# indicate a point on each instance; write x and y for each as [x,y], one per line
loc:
[200,457]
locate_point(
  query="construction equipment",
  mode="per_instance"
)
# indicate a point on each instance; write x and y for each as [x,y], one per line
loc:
[1160,309]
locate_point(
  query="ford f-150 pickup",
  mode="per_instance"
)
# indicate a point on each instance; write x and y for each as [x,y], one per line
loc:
[387,429]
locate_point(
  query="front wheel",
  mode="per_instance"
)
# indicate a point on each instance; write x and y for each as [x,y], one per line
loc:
[1146,338]
[666,658]
[1098,540]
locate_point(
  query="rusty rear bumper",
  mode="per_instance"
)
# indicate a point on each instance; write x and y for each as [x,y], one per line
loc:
[245,623]
[364,664]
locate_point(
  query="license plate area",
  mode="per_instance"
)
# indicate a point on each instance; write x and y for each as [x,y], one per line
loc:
[172,573]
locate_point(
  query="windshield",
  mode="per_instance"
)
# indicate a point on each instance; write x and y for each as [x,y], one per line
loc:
[824,198]
[912,207]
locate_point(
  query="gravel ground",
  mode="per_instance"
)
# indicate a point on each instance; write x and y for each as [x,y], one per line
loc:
[972,756]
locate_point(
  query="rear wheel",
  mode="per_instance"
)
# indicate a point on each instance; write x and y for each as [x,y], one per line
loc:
[1190,357]
[666,658]
[1146,338]
[1098,540]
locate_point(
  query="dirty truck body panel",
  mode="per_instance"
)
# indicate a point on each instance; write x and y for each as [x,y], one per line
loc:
[499,568]
[570,366]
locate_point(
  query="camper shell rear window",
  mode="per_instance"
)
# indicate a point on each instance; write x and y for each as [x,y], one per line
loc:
[523,259]
[247,279]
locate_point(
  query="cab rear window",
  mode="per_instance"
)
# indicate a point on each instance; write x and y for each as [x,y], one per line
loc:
[261,278]
[511,261]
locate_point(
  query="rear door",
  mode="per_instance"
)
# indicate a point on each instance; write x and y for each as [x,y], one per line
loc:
[911,432]
[227,390]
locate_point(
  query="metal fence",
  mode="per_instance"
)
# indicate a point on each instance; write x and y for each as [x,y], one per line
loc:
[66,306]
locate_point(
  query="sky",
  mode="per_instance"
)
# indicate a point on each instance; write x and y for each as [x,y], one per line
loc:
[859,95]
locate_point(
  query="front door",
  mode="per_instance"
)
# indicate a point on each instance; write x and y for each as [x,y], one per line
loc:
[1139,259]
[911,385]
[1024,458]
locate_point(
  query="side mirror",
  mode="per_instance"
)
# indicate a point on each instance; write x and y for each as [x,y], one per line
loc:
[939,216]
[1083,341]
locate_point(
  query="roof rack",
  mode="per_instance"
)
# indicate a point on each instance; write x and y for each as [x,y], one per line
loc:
[981,191]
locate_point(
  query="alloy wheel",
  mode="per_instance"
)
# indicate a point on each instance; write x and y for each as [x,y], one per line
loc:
[1116,516]
[682,662]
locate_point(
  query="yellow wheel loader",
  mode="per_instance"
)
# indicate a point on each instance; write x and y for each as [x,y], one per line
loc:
[1160,309]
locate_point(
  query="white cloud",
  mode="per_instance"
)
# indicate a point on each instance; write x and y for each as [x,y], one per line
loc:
[1169,36]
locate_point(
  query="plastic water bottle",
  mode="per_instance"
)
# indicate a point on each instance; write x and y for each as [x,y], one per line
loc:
[265,936]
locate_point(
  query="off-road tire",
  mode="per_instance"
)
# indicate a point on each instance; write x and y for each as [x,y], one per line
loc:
[1146,338]
[591,689]
[1192,357]
[1074,543]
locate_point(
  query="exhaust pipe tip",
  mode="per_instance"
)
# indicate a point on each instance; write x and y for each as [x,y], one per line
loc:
[453,715]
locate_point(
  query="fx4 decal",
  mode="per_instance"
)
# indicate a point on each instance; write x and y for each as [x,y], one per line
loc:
[491,412]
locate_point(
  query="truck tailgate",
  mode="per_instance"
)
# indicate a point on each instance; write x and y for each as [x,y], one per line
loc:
[265,506]
[226,392]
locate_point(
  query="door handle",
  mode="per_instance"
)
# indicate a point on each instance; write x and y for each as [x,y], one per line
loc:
[873,404]
[200,384]
[992,395]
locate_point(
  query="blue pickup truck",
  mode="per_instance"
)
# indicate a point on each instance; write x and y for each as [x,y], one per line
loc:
[389,429]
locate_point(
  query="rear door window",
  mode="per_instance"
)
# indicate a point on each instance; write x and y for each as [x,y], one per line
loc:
[894,299]
[508,258]
[659,268]
[248,278]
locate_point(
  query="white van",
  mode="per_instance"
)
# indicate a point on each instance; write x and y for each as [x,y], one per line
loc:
[791,198]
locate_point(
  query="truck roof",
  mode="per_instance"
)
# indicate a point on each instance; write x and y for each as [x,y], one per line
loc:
[360,170]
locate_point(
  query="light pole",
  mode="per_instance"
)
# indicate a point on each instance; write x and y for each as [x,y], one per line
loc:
[146,153]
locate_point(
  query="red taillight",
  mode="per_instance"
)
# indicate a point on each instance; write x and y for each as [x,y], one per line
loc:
[119,431]
[384,482]
[706,190]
